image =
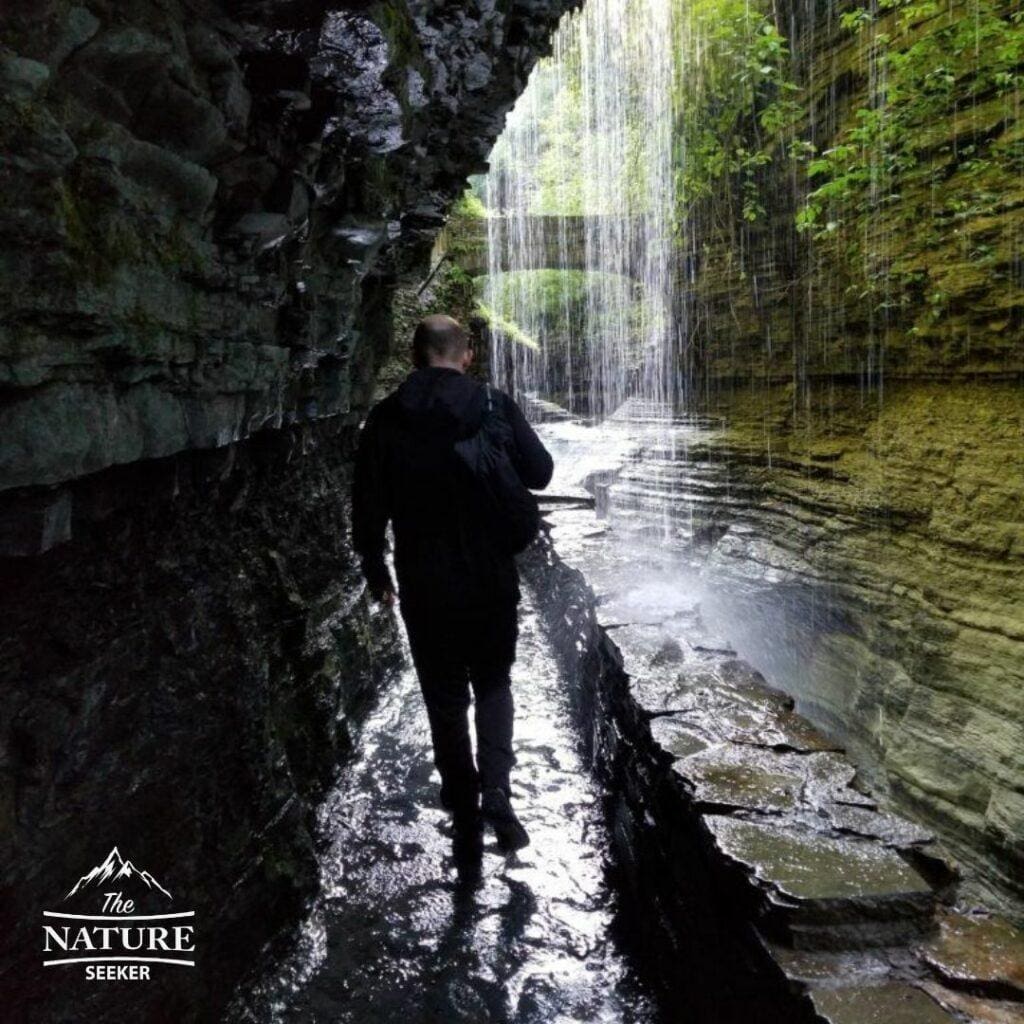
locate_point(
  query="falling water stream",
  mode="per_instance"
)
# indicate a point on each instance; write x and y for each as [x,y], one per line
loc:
[583,178]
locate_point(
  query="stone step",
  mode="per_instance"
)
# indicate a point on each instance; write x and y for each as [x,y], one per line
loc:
[881,1004]
[975,1009]
[816,891]
[672,475]
[979,953]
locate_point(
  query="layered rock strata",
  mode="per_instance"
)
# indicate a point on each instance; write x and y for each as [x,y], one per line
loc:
[747,830]
[198,198]
[206,208]
[873,555]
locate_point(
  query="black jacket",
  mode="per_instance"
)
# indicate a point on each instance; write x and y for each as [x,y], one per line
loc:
[407,472]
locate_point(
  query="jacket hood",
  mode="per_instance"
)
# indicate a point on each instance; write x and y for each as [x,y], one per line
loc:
[438,397]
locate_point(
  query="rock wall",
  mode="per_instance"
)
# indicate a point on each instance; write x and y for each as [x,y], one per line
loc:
[206,208]
[680,912]
[914,268]
[182,682]
[867,476]
[879,551]
[196,195]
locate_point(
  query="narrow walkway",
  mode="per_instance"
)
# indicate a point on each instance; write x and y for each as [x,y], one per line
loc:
[401,938]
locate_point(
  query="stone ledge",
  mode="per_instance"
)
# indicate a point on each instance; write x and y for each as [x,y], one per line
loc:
[831,902]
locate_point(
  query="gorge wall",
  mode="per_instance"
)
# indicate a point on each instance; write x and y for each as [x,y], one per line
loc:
[206,209]
[866,366]
[884,232]
[848,336]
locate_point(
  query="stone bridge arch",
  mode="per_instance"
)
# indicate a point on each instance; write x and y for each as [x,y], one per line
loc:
[547,242]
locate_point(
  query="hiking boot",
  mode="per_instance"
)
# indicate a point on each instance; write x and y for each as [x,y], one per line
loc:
[497,812]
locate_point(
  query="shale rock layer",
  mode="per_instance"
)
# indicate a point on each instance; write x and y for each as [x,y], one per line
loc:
[205,208]
[197,197]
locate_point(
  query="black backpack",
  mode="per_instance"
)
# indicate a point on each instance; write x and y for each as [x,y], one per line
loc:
[511,509]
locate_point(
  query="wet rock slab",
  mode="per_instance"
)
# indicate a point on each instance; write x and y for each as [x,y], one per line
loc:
[884,1004]
[976,1009]
[822,892]
[979,953]
[405,929]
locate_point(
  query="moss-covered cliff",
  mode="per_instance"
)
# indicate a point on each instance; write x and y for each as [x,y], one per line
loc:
[862,335]
[884,225]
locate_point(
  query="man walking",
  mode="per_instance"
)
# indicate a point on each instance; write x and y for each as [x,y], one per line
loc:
[459,590]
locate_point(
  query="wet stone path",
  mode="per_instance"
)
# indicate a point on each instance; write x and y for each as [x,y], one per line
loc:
[403,936]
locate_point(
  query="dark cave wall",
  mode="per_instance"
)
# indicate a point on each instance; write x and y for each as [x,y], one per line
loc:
[206,209]
[195,192]
[182,681]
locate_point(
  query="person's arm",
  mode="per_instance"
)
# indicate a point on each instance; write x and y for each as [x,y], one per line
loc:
[371,512]
[532,460]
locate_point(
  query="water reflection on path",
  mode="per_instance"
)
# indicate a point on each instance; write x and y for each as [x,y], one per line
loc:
[401,938]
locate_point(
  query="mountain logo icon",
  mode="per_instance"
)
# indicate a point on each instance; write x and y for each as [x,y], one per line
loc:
[116,868]
[130,933]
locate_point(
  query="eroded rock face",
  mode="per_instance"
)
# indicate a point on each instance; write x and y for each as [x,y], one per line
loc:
[746,828]
[876,551]
[197,199]
[182,682]
[862,487]
[205,206]
[866,556]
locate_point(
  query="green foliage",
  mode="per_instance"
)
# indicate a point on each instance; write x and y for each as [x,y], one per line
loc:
[734,102]
[453,293]
[469,206]
[930,61]
[575,307]
[508,328]
[560,183]
[399,29]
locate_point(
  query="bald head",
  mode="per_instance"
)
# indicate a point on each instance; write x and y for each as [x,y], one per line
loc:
[441,341]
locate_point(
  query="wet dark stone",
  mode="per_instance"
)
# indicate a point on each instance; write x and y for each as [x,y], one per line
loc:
[669,653]
[734,809]
[841,893]
[207,233]
[886,1004]
[823,892]
[182,681]
[981,954]
[187,180]
[405,930]
[696,931]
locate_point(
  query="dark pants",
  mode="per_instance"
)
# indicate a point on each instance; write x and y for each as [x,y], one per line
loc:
[453,651]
